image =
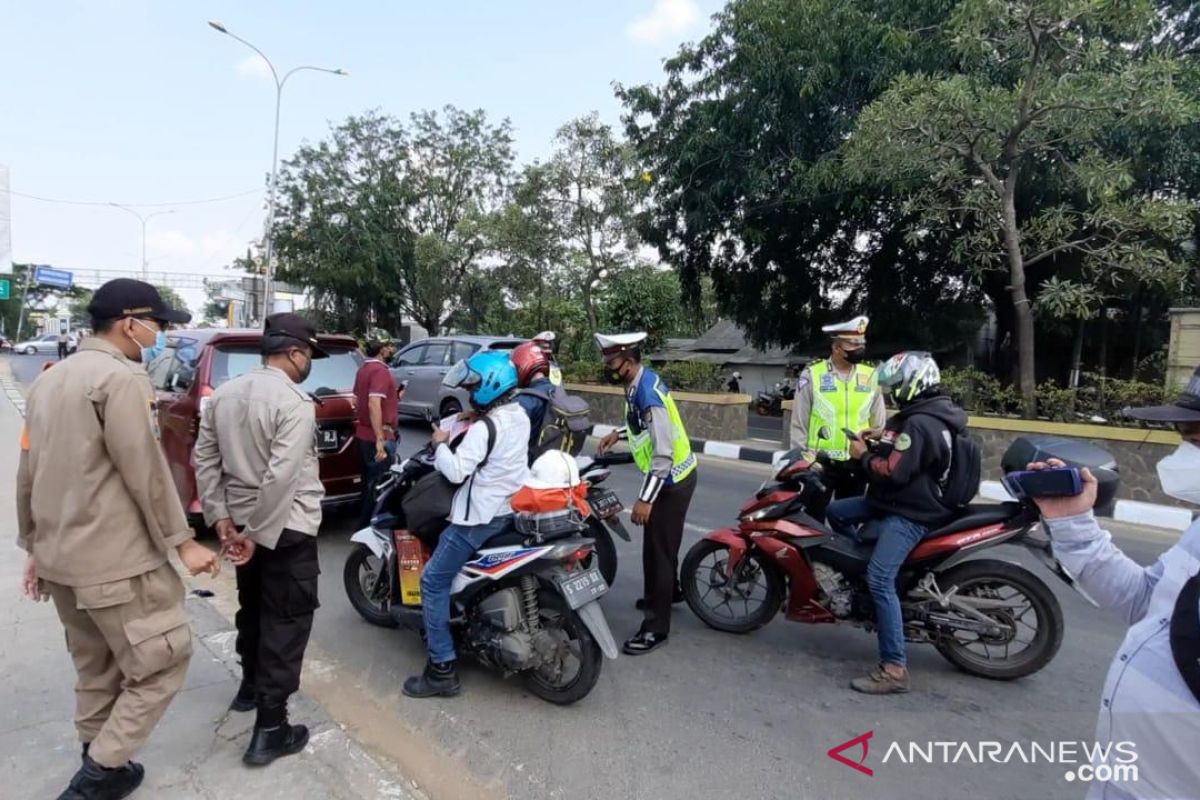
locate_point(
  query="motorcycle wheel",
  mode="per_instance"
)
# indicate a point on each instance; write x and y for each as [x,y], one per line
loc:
[606,549]
[1002,580]
[577,668]
[360,576]
[705,578]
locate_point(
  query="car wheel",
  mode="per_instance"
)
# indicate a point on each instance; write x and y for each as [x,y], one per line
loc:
[31,351]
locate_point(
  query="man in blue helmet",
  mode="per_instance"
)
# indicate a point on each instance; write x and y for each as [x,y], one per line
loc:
[489,465]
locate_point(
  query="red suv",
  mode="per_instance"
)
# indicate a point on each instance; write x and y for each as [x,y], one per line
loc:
[197,362]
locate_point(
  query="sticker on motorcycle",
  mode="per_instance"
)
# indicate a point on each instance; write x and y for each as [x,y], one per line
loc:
[499,563]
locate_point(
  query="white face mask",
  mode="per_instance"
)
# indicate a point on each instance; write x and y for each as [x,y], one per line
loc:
[1179,473]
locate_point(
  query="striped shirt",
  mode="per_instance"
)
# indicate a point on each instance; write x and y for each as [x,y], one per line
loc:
[1145,700]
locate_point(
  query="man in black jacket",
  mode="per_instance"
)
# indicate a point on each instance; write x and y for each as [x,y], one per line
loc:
[906,471]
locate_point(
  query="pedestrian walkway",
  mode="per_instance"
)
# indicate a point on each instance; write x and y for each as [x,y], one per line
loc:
[196,750]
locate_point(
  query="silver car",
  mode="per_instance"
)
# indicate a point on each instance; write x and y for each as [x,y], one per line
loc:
[420,367]
[46,344]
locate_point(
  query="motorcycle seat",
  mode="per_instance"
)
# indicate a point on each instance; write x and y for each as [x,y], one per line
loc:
[978,516]
[507,539]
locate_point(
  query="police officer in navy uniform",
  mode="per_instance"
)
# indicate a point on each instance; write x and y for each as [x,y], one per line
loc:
[662,451]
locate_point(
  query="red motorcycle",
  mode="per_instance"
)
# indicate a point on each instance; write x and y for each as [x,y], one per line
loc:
[991,618]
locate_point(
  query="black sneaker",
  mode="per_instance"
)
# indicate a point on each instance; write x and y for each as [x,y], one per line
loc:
[643,642]
[438,680]
[94,782]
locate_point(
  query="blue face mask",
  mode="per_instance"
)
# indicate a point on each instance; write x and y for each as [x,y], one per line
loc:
[155,350]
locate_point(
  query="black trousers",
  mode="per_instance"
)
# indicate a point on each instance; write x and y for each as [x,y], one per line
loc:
[660,552]
[372,471]
[62,350]
[277,595]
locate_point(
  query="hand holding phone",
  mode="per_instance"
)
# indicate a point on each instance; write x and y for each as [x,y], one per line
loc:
[1060,481]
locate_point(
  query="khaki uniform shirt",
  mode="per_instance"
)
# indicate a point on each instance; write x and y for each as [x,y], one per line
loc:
[256,457]
[95,498]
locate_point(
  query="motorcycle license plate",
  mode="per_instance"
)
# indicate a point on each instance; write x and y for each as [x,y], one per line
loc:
[605,503]
[327,440]
[581,588]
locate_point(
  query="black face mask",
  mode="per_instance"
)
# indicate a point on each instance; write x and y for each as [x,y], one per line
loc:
[306,371]
[856,355]
[613,376]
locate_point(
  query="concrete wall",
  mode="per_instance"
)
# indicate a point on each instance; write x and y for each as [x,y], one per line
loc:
[1183,352]
[1136,451]
[720,417]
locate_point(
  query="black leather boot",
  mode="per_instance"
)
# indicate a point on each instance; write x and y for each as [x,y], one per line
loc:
[94,782]
[438,680]
[244,700]
[273,735]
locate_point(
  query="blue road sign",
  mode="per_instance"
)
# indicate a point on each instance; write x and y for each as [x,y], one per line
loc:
[58,278]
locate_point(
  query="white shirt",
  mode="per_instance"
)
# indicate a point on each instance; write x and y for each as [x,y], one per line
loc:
[485,493]
[1145,700]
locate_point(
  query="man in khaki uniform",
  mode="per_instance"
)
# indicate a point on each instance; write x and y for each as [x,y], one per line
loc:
[257,471]
[98,514]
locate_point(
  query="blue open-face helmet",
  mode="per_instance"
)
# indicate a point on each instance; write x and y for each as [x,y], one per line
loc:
[489,378]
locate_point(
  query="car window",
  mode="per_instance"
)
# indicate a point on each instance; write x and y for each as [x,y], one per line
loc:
[435,354]
[50,337]
[331,375]
[462,350]
[160,368]
[410,357]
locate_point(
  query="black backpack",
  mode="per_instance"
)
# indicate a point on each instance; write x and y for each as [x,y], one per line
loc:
[427,504]
[565,423]
[960,483]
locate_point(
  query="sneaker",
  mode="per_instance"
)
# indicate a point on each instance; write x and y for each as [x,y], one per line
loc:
[879,681]
[438,680]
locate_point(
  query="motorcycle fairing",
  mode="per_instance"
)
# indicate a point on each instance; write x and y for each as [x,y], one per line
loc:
[495,563]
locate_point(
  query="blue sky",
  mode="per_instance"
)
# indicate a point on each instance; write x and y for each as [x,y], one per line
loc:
[134,101]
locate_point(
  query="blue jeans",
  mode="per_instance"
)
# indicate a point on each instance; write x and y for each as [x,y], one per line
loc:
[894,537]
[455,548]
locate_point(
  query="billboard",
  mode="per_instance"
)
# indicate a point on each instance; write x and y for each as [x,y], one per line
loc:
[5,223]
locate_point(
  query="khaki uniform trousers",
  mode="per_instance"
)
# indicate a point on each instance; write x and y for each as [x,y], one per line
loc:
[131,644]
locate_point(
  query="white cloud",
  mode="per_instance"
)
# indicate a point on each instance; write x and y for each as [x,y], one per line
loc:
[667,18]
[254,66]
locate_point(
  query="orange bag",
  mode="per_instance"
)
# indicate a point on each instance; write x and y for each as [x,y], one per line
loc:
[537,501]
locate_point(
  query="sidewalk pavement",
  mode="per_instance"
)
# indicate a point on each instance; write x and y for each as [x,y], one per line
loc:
[196,750]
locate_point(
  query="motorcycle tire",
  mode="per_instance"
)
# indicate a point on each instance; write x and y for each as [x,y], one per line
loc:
[606,549]
[368,609]
[1047,640]
[691,582]
[555,611]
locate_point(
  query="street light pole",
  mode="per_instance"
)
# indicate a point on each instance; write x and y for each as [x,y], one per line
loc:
[143,219]
[269,235]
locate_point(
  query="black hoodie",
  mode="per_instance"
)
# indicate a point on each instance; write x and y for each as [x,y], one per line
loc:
[907,468]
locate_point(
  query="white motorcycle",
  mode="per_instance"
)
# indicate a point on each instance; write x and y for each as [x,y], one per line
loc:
[526,604]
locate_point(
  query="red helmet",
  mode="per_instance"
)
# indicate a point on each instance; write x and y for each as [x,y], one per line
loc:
[529,359]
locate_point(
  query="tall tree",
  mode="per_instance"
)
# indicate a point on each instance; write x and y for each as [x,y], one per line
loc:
[740,144]
[390,220]
[1045,85]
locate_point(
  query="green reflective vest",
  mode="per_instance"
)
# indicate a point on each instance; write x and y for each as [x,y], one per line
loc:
[838,404]
[683,460]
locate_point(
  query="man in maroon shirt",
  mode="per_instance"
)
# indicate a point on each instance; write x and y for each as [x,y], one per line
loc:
[376,401]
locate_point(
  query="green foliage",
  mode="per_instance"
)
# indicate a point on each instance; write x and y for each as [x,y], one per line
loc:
[583,371]
[393,218]
[693,376]
[644,299]
[1097,396]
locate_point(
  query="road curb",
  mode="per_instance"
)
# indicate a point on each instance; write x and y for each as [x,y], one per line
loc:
[1154,515]
[728,450]
[8,385]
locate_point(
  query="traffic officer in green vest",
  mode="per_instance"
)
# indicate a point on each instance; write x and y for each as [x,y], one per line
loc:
[662,451]
[834,395]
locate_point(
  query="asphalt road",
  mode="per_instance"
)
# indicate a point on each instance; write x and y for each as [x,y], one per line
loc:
[711,715]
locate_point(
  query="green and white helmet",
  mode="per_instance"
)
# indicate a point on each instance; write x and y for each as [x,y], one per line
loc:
[907,376]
